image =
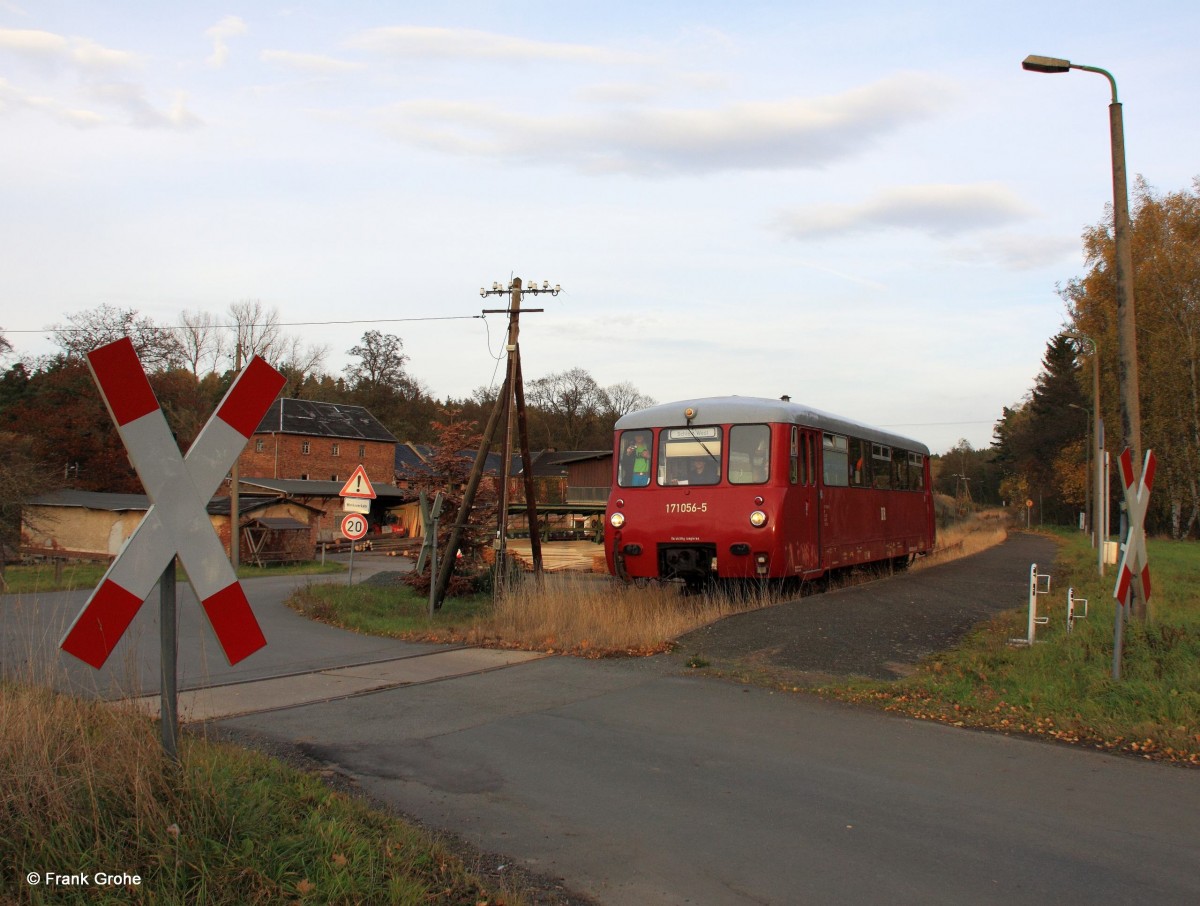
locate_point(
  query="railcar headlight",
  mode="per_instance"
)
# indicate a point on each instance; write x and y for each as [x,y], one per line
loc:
[758,519]
[616,520]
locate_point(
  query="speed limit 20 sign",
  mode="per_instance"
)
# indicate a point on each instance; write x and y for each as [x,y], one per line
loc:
[354,526]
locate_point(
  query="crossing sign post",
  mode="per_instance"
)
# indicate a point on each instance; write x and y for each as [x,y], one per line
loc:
[177,522]
[1133,576]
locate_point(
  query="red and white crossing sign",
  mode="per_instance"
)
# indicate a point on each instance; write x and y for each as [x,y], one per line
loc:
[1135,563]
[177,522]
[354,526]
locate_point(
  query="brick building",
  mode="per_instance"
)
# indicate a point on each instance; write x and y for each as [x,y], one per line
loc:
[311,441]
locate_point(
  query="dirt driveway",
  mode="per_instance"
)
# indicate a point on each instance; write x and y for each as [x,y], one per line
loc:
[879,629]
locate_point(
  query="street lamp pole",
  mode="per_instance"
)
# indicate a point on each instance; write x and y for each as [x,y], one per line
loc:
[1127,357]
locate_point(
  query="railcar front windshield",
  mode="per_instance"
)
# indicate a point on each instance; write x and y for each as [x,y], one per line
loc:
[749,454]
[689,456]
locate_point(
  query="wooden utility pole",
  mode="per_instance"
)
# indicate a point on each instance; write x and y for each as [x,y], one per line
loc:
[235,505]
[511,405]
[464,511]
[514,332]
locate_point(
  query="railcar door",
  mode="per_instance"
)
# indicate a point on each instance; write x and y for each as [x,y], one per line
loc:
[803,510]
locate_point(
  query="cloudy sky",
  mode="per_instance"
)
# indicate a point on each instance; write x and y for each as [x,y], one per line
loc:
[865,206]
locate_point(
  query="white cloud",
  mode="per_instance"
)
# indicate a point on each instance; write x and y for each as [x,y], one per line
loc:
[936,210]
[229,27]
[11,97]
[406,42]
[131,98]
[790,134]
[49,49]
[315,64]
[1021,252]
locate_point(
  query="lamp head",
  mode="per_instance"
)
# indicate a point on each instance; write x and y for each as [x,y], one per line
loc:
[1034,63]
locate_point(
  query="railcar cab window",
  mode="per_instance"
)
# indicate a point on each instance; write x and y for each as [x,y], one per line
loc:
[749,454]
[689,456]
[633,462]
[836,460]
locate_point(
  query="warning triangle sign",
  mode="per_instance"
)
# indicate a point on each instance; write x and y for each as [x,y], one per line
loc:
[359,485]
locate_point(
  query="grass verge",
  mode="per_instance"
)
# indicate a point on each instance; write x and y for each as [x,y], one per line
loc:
[84,789]
[1062,688]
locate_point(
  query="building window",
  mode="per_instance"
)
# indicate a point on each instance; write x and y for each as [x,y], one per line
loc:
[304,448]
[260,445]
[337,449]
[333,478]
[362,451]
[304,477]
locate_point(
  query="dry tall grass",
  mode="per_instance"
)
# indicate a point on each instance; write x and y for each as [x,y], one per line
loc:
[597,615]
[75,776]
[977,532]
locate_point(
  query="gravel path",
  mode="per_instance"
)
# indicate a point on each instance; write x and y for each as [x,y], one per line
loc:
[879,629]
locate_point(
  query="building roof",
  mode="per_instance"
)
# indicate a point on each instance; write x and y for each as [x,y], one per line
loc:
[299,487]
[93,500]
[413,459]
[139,503]
[314,419]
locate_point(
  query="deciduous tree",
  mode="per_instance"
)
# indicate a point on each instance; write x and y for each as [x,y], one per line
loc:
[157,347]
[1165,242]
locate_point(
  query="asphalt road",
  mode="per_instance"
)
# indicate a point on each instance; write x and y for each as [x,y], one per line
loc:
[638,782]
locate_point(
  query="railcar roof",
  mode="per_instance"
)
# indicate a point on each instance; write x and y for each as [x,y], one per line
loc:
[721,410]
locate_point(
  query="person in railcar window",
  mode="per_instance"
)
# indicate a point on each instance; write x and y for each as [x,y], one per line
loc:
[703,471]
[634,465]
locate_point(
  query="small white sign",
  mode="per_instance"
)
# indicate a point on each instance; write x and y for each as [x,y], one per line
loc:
[356,505]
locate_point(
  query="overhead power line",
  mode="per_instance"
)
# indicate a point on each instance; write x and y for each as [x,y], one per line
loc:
[275,324]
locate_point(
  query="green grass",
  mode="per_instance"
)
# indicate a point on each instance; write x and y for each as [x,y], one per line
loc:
[396,610]
[44,577]
[1062,688]
[223,826]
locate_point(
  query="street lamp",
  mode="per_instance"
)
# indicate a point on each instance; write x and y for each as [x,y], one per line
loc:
[1127,358]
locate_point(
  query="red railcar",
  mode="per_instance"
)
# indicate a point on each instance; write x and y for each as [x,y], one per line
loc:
[743,488]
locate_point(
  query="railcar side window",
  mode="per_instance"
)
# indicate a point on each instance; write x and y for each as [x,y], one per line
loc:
[881,466]
[633,464]
[837,461]
[793,457]
[900,470]
[749,454]
[860,463]
[916,471]
[689,455]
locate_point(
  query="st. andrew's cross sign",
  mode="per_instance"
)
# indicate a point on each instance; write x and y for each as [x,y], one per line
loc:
[1134,574]
[177,522]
